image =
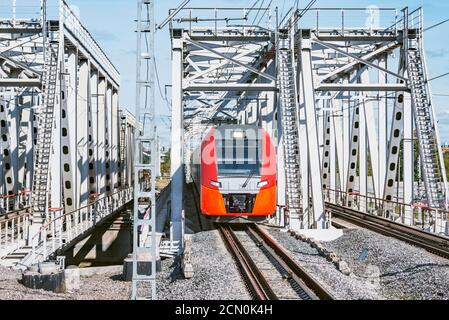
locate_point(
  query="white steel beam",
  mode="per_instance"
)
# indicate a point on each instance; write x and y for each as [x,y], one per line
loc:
[408,160]
[115,138]
[231,87]
[9,82]
[365,62]
[368,115]
[93,133]
[312,137]
[108,137]
[390,87]
[177,139]
[382,124]
[363,158]
[82,131]
[349,67]
[254,70]
[101,167]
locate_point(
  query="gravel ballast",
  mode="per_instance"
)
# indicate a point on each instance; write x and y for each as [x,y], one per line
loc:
[216,275]
[398,270]
[216,278]
[98,287]
[340,286]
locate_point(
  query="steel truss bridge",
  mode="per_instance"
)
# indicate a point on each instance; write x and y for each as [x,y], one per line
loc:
[66,145]
[344,92]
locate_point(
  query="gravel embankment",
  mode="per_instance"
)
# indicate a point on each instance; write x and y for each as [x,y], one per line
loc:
[216,275]
[100,287]
[340,286]
[399,270]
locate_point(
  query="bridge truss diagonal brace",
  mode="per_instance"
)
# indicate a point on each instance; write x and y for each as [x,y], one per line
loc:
[201,46]
[361,60]
[315,169]
[353,65]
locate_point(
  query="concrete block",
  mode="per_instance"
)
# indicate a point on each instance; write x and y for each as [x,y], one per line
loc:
[323,235]
[72,279]
[49,282]
[34,268]
[188,271]
[93,271]
[343,267]
[47,268]
[186,263]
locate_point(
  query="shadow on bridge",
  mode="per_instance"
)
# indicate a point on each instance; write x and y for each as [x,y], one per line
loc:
[109,244]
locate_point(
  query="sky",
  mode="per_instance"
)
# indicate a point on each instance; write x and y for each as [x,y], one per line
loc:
[112,23]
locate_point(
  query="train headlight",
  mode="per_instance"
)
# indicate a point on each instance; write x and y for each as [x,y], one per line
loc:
[215,183]
[239,135]
[262,184]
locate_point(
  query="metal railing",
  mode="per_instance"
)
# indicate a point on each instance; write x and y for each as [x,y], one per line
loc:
[418,214]
[13,232]
[14,202]
[63,228]
[343,20]
[247,20]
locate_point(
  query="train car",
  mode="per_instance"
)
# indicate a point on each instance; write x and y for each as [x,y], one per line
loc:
[234,172]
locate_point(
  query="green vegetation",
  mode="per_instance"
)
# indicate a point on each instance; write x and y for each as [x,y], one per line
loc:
[446,163]
[166,162]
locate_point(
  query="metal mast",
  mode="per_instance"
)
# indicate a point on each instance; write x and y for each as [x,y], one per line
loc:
[144,233]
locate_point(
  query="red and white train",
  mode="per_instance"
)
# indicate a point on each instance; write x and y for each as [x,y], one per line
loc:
[234,171]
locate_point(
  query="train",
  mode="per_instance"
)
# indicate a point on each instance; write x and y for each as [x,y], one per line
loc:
[234,173]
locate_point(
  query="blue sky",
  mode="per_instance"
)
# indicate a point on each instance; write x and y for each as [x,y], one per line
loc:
[112,24]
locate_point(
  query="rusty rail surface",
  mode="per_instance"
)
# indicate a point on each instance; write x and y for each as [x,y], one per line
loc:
[254,278]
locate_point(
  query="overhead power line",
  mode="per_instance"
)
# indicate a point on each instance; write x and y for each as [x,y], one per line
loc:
[436,25]
[440,76]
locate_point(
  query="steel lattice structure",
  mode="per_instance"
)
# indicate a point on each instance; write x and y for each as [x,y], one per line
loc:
[365,133]
[61,152]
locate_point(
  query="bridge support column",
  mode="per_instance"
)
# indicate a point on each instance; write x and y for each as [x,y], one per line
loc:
[101,168]
[82,132]
[72,106]
[409,163]
[56,156]
[312,136]
[281,182]
[304,165]
[177,137]
[383,139]
[114,139]
[363,161]
[93,132]
[108,137]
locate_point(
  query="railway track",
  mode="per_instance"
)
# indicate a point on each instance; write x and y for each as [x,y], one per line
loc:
[433,243]
[268,270]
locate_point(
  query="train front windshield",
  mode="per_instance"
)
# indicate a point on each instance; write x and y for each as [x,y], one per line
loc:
[239,157]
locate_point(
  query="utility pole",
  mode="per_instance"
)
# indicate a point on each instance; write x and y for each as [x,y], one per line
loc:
[144,227]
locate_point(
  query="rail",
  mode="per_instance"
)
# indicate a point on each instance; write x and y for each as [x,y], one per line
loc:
[428,241]
[417,215]
[63,228]
[304,285]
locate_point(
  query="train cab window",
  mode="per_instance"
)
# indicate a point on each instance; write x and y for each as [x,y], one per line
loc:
[239,157]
